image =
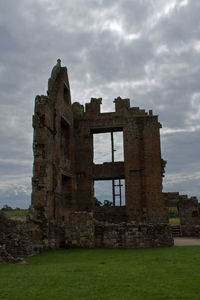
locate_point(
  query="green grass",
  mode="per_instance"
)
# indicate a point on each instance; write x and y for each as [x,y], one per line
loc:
[156,273]
[16,214]
[174,221]
[173,212]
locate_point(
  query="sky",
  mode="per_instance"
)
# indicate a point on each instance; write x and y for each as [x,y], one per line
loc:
[145,50]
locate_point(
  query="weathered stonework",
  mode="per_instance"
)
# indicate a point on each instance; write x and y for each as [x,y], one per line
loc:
[85,231]
[15,240]
[64,174]
[80,230]
[189,212]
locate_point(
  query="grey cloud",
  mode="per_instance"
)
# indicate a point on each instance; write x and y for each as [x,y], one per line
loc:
[182,26]
[182,149]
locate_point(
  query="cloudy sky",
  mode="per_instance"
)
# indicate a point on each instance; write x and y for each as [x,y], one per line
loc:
[145,50]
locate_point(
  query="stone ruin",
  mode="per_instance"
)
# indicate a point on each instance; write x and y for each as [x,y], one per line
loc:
[15,240]
[63,211]
[63,208]
[188,213]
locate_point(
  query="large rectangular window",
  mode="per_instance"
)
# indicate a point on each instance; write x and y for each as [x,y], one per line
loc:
[108,147]
[66,190]
[109,192]
[65,142]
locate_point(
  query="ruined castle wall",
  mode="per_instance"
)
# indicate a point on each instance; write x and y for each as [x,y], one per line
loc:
[153,171]
[108,170]
[63,211]
[141,168]
[43,144]
[83,166]
[63,158]
[83,230]
[80,230]
[130,235]
[53,172]
[134,166]
[189,216]
[15,238]
[112,214]
[189,212]
[53,150]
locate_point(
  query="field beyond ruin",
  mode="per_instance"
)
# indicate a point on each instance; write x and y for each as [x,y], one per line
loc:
[156,273]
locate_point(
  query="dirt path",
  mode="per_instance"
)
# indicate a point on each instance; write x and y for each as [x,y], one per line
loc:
[186,241]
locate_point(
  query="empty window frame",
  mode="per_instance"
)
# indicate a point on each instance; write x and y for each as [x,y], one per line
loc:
[109,192]
[65,142]
[66,190]
[108,147]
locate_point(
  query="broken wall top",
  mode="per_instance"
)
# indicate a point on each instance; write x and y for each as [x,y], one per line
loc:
[122,108]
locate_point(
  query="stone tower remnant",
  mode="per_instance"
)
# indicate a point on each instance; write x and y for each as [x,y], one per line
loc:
[63,209]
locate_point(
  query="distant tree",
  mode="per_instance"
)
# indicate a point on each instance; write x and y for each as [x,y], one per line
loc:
[97,202]
[6,207]
[173,212]
[107,203]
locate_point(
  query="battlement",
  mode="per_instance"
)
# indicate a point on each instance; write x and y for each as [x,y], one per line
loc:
[122,108]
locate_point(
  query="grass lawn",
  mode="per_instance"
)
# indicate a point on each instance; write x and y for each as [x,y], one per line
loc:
[16,214]
[174,221]
[156,273]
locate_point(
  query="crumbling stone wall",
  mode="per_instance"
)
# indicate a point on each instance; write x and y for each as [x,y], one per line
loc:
[53,182]
[15,239]
[142,166]
[80,230]
[47,233]
[83,230]
[131,235]
[189,212]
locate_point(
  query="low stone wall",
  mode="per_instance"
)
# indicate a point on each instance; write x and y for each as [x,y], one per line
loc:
[190,230]
[79,230]
[130,235]
[15,238]
[46,233]
[82,230]
[189,212]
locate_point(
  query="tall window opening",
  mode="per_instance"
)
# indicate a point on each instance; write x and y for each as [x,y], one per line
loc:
[109,192]
[65,142]
[108,147]
[66,190]
[174,217]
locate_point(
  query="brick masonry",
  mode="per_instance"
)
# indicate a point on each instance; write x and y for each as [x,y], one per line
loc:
[64,173]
